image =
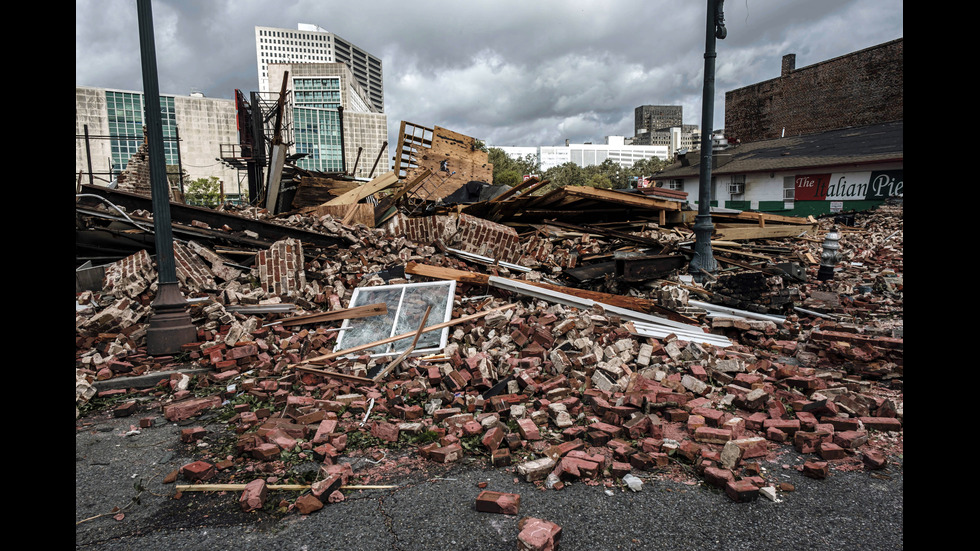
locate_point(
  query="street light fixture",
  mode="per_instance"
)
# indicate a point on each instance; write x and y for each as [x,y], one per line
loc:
[703,261]
[170,324]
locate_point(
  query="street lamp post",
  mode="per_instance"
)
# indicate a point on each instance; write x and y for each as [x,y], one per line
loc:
[170,324]
[703,260]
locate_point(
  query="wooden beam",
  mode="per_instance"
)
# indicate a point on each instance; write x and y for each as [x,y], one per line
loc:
[391,366]
[370,188]
[512,191]
[749,231]
[640,201]
[347,313]
[761,218]
[438,272]
[335,374]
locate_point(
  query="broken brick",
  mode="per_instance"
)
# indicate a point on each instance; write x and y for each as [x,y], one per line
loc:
[498,502]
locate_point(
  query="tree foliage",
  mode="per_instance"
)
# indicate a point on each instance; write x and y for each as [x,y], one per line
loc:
[606,175]
[509,171]
[205,192]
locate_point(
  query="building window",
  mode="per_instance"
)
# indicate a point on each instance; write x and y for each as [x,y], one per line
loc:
[674,184]
[789,191]
[736,186]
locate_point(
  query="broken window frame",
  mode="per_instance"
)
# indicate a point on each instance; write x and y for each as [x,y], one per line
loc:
[399,320]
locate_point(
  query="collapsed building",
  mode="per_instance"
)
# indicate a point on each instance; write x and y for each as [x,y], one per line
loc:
[428,312]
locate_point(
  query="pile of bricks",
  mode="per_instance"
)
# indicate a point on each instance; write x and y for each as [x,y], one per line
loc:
[555,394]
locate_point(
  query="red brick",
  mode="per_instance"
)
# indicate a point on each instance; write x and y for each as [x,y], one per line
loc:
[189,408]
[528,430]
[881,423]
[385,431]
[850,439]
[874,460]
[718,477]
[712,436]
[816,469]
[498,502]
[830,451]
[192,434]
[265,451]
[741,490]
[254,495]
[198,471]
[308,503]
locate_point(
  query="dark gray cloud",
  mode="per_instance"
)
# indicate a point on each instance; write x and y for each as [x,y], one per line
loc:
[509,72]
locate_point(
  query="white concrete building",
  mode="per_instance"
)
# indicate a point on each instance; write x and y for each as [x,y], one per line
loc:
[590,154]
[312,44]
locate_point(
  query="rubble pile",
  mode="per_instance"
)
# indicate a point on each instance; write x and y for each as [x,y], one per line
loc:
[555,393]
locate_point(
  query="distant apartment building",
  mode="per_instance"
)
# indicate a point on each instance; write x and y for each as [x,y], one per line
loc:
[312,44]
[194,126]
[330,137]
[585,154]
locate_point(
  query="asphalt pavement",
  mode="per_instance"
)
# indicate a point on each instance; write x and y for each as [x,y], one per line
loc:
[123,502]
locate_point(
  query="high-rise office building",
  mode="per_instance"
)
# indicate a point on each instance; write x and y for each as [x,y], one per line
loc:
[651,118]
[330,119]
[664,125]
[312,44]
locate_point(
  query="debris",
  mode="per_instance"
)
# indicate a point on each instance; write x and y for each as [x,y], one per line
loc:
[537,535]
[633,482]
[498,502]
[544,357]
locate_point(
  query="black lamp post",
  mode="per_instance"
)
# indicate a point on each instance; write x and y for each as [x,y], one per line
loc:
[170,324]
[703,260]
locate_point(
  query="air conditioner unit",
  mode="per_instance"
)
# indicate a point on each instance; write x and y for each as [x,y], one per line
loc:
[736,188]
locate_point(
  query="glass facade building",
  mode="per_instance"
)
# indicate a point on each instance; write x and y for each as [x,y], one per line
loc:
[125,111]
[316,123]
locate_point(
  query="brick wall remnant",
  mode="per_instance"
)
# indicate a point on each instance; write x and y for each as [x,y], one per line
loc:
[280,268]
[467,233]
[857,89]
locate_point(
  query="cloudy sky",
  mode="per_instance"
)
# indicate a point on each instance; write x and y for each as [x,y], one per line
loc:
[525,72]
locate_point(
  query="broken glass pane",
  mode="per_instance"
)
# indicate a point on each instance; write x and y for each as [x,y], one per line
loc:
[406,307]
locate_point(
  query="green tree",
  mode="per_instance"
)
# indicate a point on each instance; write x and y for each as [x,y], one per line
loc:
[205,192]
[506,167]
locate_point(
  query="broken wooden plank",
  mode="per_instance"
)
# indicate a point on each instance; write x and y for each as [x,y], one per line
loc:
[335,315]
[355,195]
[761,218]
[745,231]
[630,199]
[357,213]
[648,241]
[391,366]
[428,329]
[335,374]
[438,272]
[513,191]
[632,303]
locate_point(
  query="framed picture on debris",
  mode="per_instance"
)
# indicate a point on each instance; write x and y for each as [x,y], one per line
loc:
[407,304]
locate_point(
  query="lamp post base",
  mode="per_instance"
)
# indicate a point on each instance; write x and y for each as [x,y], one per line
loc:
[703,260]
[170,324]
